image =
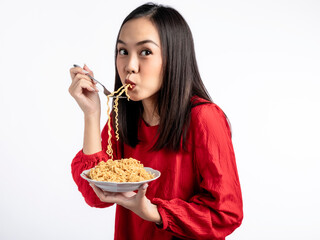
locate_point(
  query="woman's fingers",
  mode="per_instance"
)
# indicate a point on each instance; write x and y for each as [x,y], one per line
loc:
[76,88]
[75,70]
[97,191]
[129,194]
[104,196]
[126,199]
[79,76]
[86,68]
[84,91]
[136,202]
[142,190]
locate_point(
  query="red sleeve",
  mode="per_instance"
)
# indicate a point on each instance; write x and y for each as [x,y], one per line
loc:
[216,211]
[83,162]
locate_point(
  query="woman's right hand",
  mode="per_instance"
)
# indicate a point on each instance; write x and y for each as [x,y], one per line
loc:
[84,91]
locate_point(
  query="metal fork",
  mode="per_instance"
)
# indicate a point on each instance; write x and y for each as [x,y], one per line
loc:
[105,90]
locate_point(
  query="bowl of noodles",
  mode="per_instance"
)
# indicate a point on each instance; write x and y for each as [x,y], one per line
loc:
[123,175]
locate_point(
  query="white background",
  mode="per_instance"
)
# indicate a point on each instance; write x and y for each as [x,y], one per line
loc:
[259,60]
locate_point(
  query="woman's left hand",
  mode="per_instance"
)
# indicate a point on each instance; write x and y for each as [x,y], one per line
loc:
[136,202]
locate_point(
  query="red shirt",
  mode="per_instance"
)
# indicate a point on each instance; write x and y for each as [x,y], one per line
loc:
[198,193]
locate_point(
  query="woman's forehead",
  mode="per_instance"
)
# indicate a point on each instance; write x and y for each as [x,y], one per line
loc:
[137,30]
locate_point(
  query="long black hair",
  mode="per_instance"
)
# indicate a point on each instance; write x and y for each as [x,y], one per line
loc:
[181,81]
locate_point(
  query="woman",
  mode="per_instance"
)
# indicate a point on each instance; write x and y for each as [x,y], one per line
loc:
[170,125]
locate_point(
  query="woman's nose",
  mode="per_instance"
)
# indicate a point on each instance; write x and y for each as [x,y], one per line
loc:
[132,65]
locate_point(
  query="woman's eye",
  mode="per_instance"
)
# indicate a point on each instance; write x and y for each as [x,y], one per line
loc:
[145,52]
[123,52]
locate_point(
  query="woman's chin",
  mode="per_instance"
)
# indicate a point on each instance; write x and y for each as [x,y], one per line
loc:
[134,97]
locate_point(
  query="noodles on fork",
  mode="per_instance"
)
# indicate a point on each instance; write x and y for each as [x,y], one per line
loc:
[119,92]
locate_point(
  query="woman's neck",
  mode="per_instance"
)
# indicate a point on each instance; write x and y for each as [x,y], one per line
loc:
[150,112]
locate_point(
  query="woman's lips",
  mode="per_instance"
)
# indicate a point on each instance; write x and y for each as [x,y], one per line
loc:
[127,81]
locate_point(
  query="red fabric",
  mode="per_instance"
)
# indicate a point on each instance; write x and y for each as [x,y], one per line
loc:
[198,194]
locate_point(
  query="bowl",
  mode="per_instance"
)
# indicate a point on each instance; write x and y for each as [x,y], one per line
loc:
[120,186]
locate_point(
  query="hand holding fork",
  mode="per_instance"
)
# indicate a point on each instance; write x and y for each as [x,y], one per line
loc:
[105,90]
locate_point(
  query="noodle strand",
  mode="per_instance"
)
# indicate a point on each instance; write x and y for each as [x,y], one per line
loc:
[119,92]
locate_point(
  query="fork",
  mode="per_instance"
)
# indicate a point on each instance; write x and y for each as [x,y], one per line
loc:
[105,90]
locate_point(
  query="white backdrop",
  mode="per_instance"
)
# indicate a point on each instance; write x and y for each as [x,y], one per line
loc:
[259,60]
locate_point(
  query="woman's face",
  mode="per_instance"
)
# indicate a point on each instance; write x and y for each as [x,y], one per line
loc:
[139,59]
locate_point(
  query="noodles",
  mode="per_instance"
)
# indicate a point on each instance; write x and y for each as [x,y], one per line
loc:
[125,89]
[124,170]
[120,91]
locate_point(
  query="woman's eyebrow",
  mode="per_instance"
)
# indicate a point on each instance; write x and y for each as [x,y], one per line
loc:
[139,43]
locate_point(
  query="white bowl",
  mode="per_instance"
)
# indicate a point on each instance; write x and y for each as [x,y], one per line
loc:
[120,186]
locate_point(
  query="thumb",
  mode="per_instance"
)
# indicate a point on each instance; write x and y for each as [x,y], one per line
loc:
[85,67]
[142,190]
